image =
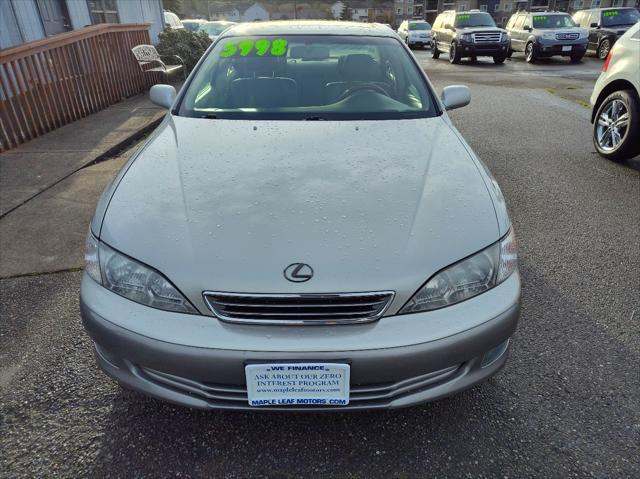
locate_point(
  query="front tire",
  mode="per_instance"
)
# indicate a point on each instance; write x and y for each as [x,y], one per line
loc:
[576,58]
[530,53]
[499,59]
[616,128]
[435,53]
[603,49]
[454,54]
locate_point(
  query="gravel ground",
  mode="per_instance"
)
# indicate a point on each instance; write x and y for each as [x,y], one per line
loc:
[566,405]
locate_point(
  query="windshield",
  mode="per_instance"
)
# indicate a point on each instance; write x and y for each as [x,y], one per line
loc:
[308,78]
[419,26]
[628,16]
[214,29]
[474,20]
[191,25]
[553,21]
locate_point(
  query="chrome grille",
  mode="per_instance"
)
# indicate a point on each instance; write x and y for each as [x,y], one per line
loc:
[298,309]
[567,36]
[487,37]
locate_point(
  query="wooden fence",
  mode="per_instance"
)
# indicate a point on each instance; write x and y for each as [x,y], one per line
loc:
[48,83]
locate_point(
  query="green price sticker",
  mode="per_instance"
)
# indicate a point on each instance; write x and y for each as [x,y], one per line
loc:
[540,18]
[261,47]
[610,14]
[463,17]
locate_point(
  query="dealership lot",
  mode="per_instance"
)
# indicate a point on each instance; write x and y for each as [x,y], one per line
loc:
[566,405]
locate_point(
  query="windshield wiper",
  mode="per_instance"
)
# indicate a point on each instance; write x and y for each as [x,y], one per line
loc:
[314,118]
[209,116]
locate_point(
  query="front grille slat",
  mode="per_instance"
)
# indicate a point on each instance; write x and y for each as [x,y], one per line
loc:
[567,36]
[490,37]
[318,305]
[298,309]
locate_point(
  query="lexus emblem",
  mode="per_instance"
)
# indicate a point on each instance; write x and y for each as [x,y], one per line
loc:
[298,272]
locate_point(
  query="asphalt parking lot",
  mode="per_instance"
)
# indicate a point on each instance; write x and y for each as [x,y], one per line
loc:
[566,405]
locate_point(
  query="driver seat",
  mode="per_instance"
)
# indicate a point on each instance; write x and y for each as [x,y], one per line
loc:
[354,68]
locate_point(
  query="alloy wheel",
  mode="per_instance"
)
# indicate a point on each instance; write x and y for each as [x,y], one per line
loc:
[613,123]
[603,51]
[529,52]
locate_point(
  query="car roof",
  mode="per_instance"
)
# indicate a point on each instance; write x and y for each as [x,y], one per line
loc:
[309,27]
[545,14]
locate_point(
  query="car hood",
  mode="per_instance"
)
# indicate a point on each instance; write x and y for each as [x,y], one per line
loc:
[479,29]
[226,205]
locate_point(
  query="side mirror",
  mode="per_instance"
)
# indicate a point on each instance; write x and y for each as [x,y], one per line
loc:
[448,26]
[455,96]
[594,25]
[527,28]
[162,95]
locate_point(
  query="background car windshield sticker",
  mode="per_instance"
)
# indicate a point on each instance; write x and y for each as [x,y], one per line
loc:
[610,14]
[539,18]
[463,17]
[261,47]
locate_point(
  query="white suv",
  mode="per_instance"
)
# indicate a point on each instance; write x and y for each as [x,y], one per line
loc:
[616,100]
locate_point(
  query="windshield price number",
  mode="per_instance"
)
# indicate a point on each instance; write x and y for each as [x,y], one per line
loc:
[463,17]
[539,18]
[262,47]
[610,14]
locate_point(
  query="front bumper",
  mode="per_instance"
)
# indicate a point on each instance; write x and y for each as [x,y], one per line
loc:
[419,41]
[556,49]
[483,50]
[381,377]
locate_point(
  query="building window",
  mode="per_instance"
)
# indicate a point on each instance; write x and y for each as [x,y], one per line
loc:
[399,11]
[462,7]
[496,8]
[103,11]
[618,3]
[507,7]
[578,3]
[409,10]
[596,3]
[483,8]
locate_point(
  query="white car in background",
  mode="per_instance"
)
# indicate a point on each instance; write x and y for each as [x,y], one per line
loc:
[616,100]
[214,29]
[171,20]
[415,33]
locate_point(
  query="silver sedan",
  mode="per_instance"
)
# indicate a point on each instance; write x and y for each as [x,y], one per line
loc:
[305,230]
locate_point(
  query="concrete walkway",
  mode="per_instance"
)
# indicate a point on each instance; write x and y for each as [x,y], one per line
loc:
[48,194]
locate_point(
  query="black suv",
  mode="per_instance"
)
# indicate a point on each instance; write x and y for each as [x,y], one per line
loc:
[468,34]
[605,26]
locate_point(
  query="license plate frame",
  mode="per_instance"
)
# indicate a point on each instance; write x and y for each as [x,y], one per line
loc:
[567,48]
[296,384]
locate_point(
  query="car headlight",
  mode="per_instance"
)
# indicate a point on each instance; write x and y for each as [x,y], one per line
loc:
[133,280]
[548,36]
[467,278]
[504,37]
[466,37]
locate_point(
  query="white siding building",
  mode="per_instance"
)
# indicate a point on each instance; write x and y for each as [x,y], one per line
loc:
[28,20]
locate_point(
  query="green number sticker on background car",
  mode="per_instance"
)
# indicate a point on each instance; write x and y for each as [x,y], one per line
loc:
[540,18]
[261,47]
[610,14]
[464,17]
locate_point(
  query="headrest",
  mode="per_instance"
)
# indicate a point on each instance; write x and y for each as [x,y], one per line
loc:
[360,66]
[309,52]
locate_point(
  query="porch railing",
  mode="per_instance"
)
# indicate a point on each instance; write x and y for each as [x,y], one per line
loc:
[48,83]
